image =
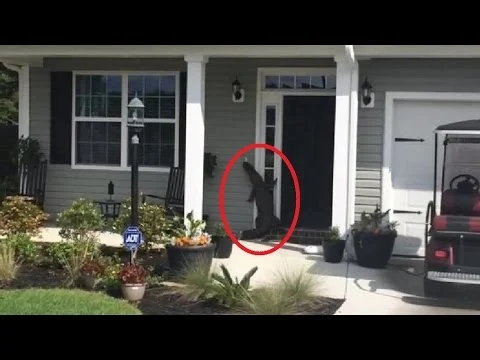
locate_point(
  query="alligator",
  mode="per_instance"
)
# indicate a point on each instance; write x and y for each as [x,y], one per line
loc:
[266,221]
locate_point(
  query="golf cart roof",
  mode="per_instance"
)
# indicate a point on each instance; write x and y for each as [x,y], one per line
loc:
[466,127]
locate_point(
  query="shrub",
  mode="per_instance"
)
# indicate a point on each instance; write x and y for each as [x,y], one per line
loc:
[9,263]
[153,222]
[288,294]
[18,215]
[58,252]
[111,274]
[80,253]
[196,282]
[94,268]
[79,227]
[25,249]
[199,284]
[81,221]
[229,292]
[190,234]
[133,274]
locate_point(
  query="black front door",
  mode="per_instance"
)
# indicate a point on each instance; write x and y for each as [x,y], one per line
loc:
[308,139]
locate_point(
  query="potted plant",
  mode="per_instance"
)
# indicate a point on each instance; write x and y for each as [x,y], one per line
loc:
[223,244]
[91,273]
[333,246]
[373,239]
[133,280]
[191,244]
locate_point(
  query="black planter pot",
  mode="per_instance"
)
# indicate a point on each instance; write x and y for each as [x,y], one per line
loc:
[223,247]
[333,250]
[180,258]
[374,250]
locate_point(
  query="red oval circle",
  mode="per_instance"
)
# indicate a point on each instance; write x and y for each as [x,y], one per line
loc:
[221,196]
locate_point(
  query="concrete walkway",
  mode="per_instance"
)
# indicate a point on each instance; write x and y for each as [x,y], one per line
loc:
[397,290]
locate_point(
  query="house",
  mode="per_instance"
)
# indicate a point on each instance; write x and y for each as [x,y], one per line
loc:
[349,154]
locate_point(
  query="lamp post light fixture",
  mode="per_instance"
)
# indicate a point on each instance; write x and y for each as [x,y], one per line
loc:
[238,93]
[368,96]
[135,122]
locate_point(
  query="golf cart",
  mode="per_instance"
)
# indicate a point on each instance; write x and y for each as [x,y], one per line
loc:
[452,237]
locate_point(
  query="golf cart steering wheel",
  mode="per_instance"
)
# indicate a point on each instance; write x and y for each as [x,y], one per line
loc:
[469,183]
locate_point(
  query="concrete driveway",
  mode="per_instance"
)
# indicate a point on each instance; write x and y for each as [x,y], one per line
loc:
[397,290]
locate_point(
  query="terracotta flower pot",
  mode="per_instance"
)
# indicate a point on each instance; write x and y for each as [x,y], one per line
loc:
[133,292]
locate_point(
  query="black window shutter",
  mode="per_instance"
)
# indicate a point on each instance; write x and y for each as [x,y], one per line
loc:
[183,118]
[60,117]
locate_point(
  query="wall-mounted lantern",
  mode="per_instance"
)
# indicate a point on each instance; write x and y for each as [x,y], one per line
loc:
[367,95]
[238,93]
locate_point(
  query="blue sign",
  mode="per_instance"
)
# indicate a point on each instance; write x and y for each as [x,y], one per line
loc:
[132,238]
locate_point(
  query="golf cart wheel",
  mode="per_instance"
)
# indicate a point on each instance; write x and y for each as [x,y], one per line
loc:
[434,289]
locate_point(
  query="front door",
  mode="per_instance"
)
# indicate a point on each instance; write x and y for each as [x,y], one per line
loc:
[308,142]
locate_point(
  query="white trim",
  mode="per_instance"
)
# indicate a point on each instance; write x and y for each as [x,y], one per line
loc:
[343,173]
[179,51]
[195,137]
[350,54]
[296,71]
[266,97]
[123,120]
[120,168]
[352,145]
[25,53]
[390,98]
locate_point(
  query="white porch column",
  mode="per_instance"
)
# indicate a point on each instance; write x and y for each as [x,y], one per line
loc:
[24,101]
[352,168]
[344,168]
[195,135]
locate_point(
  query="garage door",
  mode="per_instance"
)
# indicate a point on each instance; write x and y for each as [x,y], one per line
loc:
[412,164]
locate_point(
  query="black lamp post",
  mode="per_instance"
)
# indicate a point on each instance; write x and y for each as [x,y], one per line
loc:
[135,122]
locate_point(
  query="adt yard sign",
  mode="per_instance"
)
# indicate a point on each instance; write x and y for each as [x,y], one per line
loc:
[132,238]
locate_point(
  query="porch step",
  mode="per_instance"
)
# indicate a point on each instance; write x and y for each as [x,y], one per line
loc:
[300,236]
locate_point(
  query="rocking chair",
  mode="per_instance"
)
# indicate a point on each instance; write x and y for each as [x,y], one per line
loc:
[174,196]
[32,178]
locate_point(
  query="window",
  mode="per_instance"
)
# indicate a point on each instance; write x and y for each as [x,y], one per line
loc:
[270,126]
[101,135]
[300,82]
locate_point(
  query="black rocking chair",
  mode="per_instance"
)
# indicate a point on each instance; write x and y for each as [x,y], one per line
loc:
[32,180]
[174,196]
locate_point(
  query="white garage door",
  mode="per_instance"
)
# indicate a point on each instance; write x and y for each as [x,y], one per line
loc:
[412,164]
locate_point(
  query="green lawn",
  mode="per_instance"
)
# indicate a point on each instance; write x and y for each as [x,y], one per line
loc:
[61,302]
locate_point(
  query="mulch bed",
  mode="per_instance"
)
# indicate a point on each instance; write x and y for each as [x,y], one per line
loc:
[157,300]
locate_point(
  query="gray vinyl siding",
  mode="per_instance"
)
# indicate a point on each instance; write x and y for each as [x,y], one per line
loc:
[63,183]
[229,127]
[428,75]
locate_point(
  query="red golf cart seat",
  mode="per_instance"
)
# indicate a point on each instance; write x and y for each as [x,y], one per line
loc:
[456,223]
[461,204]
